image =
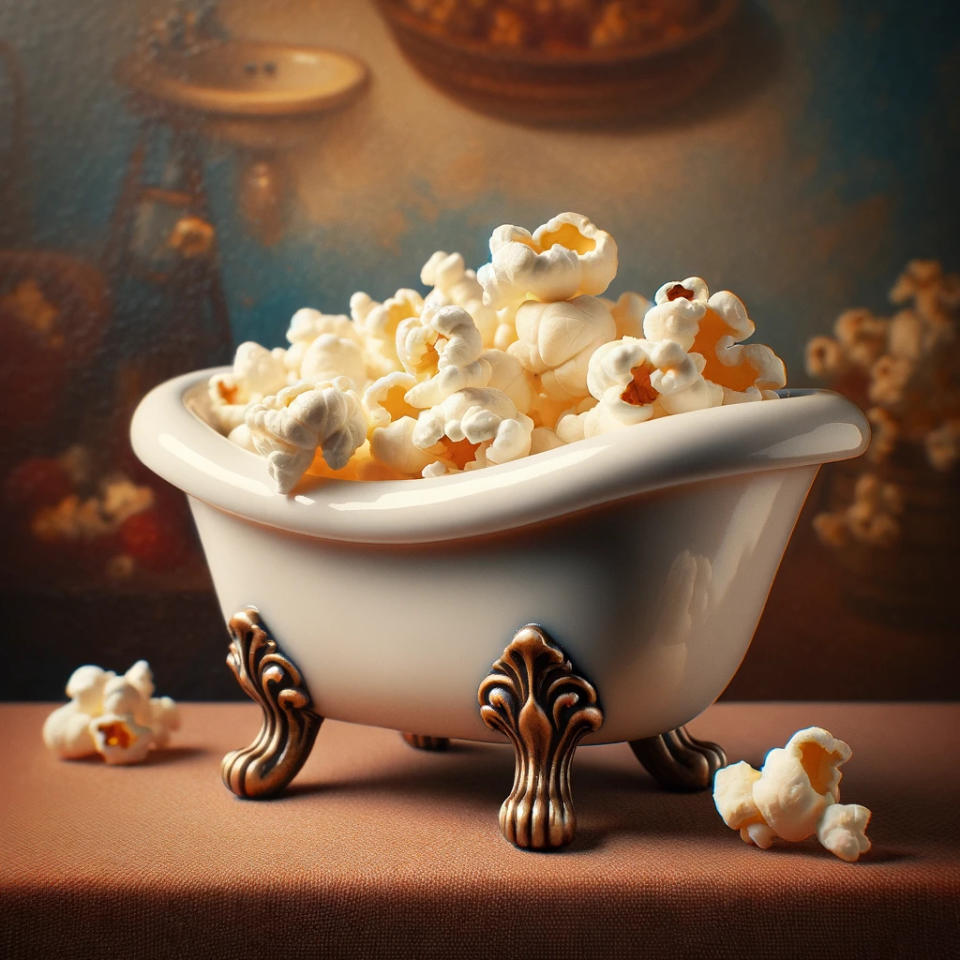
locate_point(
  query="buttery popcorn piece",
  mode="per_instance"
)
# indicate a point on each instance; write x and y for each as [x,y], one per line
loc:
[117,717]
[377,323]
[257,372]
[449,341]
[323,347]
[794,796]
[289,428]
[555,342]
[714,326]
[476,425]
[454,285]
[564,257]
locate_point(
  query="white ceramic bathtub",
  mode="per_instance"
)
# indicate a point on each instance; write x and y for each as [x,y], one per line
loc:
[646,554]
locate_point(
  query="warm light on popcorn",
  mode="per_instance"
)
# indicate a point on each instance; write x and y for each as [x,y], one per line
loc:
[115,716]
[794,796]
[521,356]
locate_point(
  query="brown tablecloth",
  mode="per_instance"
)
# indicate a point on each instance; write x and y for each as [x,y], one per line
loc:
[382,850]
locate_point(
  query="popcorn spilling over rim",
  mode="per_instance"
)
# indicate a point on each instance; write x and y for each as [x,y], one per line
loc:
[521,356]
[794,796]
[115,716]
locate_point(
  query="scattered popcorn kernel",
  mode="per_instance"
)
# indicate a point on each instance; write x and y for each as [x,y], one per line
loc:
[117,717]
[794,796]
[842,830]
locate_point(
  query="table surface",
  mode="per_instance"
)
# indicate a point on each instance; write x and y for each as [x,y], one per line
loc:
[378,849]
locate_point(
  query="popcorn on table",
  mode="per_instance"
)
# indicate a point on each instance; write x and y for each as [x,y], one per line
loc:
[794,796]
[115,716]
[521,356]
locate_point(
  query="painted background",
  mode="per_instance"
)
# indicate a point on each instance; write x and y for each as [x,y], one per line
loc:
[820,159]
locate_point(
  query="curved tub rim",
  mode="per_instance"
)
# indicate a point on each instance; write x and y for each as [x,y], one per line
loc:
[803,427]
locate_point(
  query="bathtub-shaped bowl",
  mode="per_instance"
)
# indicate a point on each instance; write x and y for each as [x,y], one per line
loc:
[646,554]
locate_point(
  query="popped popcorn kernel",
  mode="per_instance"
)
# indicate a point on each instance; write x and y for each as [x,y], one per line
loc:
[564,257]
[289,428]
[794,796]
[115,716]
[518,357]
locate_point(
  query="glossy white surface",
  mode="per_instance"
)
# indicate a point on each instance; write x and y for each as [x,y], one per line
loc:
[803,428]
[654,592]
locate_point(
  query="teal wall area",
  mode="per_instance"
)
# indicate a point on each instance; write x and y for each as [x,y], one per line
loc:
[804,190]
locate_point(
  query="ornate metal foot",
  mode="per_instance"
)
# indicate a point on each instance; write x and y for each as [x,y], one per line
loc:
[422,742]
[677,761]
[534,697]
[289,724]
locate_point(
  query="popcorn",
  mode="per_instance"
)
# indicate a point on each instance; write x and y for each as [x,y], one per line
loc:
[377,324]
[825,358]
[885,433]
[289,428]
[519,357]
[257,372]
[325,346]
[634,380]
[384,400]
[905,367]
[943,445]
[449,335]
[890,378]
[564,257]
[117,717]
[794,796]
[628,313]
[508,375]
[862,335]
[935,295]
[393,446]
[713,327]
[473,426]
[454,285]
[556,340]
[871,518]
[85,519]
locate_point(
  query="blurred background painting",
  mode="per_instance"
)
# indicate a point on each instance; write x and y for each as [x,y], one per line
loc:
[179,176]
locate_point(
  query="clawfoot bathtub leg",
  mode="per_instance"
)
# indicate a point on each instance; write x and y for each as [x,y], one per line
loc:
[677,761]
[290,724]
[534,697]
[423,742]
